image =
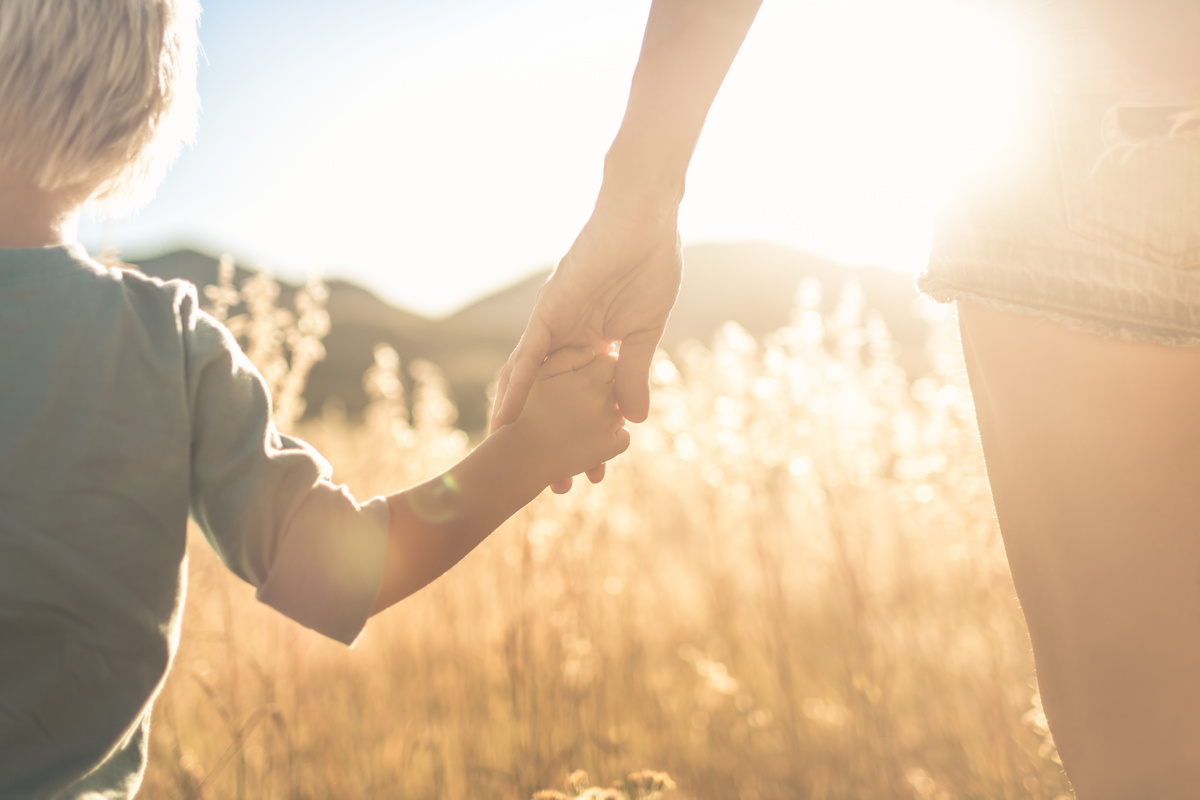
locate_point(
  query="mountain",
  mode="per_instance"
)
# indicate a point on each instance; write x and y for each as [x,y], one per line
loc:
[753,284]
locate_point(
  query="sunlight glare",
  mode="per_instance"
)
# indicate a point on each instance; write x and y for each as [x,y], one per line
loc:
[843,126]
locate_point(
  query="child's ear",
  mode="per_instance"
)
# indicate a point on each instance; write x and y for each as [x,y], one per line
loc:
[567,359]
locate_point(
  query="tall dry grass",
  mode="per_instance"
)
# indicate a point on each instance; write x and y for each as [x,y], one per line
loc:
[791,586]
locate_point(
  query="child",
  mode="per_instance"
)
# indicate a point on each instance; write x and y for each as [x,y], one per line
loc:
[124,408]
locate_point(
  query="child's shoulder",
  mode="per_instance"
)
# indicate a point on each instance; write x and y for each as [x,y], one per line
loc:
[133,279]
[63,285]
[71,266]
[145,292]
[166,306]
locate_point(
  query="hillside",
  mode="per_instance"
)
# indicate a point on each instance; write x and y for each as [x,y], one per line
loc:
[752,284]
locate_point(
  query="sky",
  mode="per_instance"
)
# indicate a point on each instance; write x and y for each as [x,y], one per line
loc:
[437,151]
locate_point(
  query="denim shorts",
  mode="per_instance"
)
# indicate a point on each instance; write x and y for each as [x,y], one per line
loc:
[1094,218]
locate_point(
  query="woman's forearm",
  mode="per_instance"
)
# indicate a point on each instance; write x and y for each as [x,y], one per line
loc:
[686,52]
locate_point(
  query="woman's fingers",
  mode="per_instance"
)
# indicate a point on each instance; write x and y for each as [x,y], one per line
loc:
[501,393]
[632,374]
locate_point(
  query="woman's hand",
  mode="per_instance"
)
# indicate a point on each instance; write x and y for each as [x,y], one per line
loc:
[620,278]
[617,283]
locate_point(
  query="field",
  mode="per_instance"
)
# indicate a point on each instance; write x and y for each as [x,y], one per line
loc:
[791,586]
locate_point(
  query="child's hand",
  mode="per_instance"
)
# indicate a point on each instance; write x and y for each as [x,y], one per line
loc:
[570,420]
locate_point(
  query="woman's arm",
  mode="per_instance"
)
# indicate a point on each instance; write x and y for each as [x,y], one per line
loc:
[619,280]
[686,52]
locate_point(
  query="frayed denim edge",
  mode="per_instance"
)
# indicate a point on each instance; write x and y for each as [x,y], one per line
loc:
[940,292]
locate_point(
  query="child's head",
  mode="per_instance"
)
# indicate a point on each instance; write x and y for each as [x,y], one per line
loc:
[95,95]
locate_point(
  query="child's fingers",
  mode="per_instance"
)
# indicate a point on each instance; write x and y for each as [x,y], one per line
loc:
[603,367]
[612,447]
[622,443]
[567,359]
[596,473]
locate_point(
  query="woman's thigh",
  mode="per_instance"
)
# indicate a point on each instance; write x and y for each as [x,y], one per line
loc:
[1093,453]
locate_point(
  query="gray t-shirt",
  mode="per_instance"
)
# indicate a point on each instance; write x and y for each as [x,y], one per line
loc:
[123,408]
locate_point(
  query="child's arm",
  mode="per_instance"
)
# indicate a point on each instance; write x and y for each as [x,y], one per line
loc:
[269,507]
[569,424]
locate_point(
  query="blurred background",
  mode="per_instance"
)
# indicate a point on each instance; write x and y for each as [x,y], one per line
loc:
[436,152]
[791,586]
[433,160]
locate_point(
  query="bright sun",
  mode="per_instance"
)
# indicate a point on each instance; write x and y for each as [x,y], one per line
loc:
[843,126]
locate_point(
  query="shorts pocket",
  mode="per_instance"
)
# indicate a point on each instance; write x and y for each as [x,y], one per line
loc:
[1127,182]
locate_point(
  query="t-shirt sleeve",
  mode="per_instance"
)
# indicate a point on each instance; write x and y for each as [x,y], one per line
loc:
[265,501]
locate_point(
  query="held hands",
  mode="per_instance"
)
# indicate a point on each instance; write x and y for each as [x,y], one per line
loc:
[619,280]
[570,421]
[617,283]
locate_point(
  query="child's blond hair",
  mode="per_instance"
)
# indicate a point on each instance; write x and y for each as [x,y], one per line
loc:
[96,94]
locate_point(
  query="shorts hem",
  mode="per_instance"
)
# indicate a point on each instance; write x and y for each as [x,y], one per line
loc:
[943,292]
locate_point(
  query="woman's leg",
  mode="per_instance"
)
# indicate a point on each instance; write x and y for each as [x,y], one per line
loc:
[1093,453]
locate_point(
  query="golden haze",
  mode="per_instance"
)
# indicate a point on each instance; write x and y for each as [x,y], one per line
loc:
[792,585]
